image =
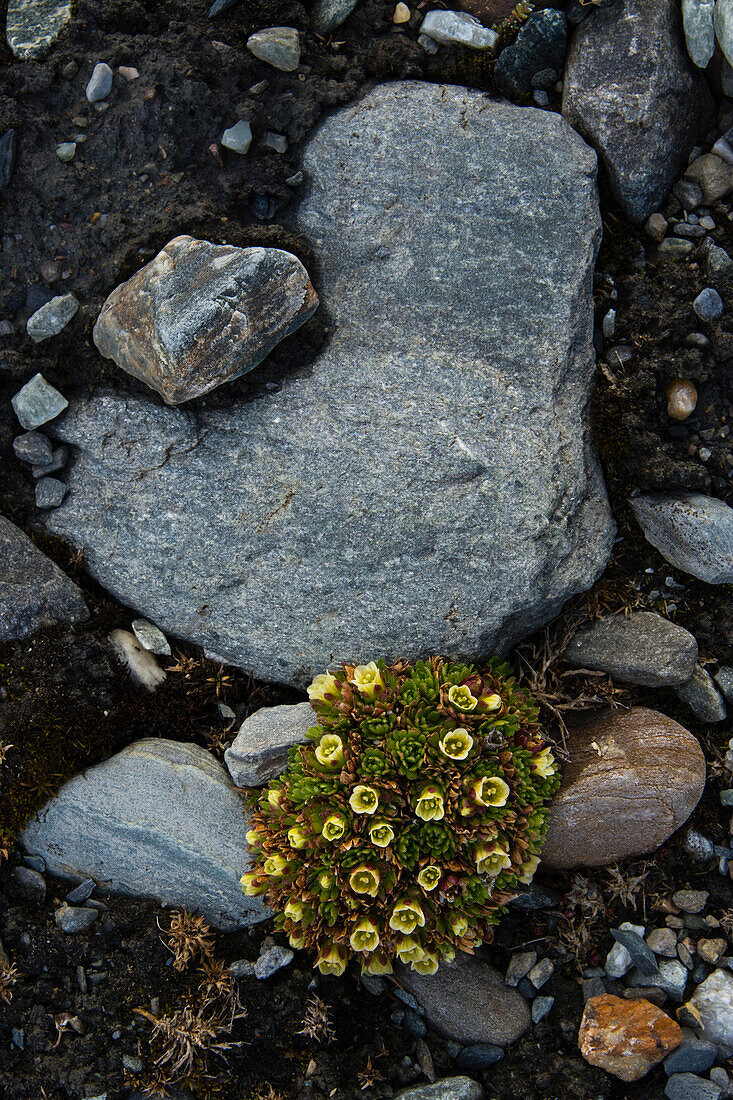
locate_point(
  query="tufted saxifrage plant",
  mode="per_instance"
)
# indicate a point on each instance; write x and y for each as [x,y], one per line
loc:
[405,825]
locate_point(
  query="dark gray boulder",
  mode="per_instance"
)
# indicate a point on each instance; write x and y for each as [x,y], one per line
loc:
[428,484]
[33,591]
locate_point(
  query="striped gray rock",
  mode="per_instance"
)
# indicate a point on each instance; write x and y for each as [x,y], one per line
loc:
[160,819]
[698,22]
[428,484]
[33,591]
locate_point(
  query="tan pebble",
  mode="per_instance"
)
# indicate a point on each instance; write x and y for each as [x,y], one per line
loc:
[711,951]
[681,399]
[128,72]
[656,226]
[401,13]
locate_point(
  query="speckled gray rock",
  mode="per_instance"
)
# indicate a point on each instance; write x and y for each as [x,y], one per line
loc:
[633,778]
[632,91]
[33,591]
[37,402]
[698,22]
[540,44]
[32,26]
[278,46]
[702,696]
[688,1086]
[450,1088]
[260,749]
[327,15]
[724,28]
[50,492]
[33,447]
[160,819]
[640,648]
[469,1002]
[724,679]
[52,318]
[691,531]
[495,516]
[201,314]
[69,918]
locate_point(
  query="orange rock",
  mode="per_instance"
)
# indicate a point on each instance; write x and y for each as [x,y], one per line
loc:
[626,1038]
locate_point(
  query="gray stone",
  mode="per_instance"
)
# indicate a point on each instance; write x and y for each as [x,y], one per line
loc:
[541,973]
[242,968]
[713,999]
[633,778]
[161,820]
[697,19]
[458,28]
[277,142]
[618,960]
[100,83]
[66,151]
[71,919]
[50,492]
[31,884]
[674,249]
[640,106]
[697,846]
[520,964]
[33,447]
[199,315]
[260,749]
[724,28]
[686,1086]
[82,892]
[59,458]
[540,1007]
[640,648]
[272,960]
[495,519]
[691,531]
[641,955]
[469,1002]
[278,46]
[479,1056]
[32,26]
[537,897]
[702,696]
[33,591]
[238,138]
[724,679]
[151,638]
[663,941]
[708,305]
[540,44]
[717,261]
[712,175]
[450,1088]
[690,901]
[52,318]
[672,978]
[327,15]
[693,1056]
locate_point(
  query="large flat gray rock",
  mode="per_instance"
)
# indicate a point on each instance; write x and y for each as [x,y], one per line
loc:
[428,485]
[160,819]
[33,591]
[632,91]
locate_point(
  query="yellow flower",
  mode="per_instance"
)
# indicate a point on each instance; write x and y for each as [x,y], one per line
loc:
[364,800]
[273,797]
[528,869]
[429,805]
[297,939]
[381,834]
[252,836]
[460,696]
[367,678]
[296,837]
[544,764]
[429,877]
[377,964]
[408,950]
[491,791]
[457,744]
[491,859]
[406,916]
[294,910]
[490,702]
[365,936]
[323,686]
[253,884]
[334,827]
[326,880]
[330,750]
[275,866]
[459,926]
[364,880]
[332,961]
[428,964]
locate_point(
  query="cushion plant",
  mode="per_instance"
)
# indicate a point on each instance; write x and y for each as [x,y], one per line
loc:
[403,828]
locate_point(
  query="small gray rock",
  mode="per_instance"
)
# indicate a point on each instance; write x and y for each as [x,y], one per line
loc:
[688,192]
[540,43]
[479,1056]
[520,965]
[708,305]
[541,973]
[66,151]
[618,960]
[641,955]
[278,46]
[673,248]
[33,591]
[458,28]
[277,142]
[31,884]
[327,15]
[33,447]
[540,1007]
[450,1088]
[686,1086]
[50,492]
[717,261]
[724,679]
[641,648]
[100,83]
[671,977]
[59,458]
[151,637]
[724,28]
[81,893]
[238,138]
[697,846]
[697,19]
[260,749]
[272,960]
[693,1056]
[663,941]
[242,968]
[692,531]
[702,696]
[70,919]
[537,897]
[52,318]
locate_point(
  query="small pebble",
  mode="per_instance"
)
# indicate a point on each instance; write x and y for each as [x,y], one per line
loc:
[69,70]
[238,138]
[82,892]
[37,402]
[541,973]
[609,324]
[132,1063]
[31,884]
[708,305]
[66,151]
[520,965]
[277,142]
[100,84]
[295,180]
[52,317]
[697,846]
[272,960]
[151,637]
[540,1007]
[50,492]
[59,458]
[71,919]
[427,43]
[278,46]
[692,1056]
[49,271]
[242,968]
[686,1086]
[401,14]
[712,951]
[690,901]
[656,227]
[480,1056]
[663,941]
[128,73]
[34,448]
[674,248]
[681,399]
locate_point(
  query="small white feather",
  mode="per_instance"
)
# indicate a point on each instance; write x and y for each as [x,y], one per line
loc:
[141,664]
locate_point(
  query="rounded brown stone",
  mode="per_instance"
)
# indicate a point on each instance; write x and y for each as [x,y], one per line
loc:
[633,778]
[626,1038]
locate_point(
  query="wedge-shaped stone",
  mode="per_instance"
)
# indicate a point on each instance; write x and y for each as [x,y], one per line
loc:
[33,591]
[691,531]
[201,314]
[260,749]
[640,648]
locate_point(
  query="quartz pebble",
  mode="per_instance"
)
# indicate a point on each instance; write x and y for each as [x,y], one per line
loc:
[66,151]
[50,492]
[128,73]
[277,142]
[401,13]
[681,399]
[33,447]
[37,402]
[151,637]
[278,46]
[100,83]
[618,960]
[457,28]
[238,138]
[52,317]
[713,1000]
[708,305]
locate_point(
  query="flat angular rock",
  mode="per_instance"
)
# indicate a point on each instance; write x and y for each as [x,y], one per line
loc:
[160,820]
[640,648]
[691,531]
[260,749]
[468,1001]
[626,1038]
[457,28]
[278,46]
[32,26]
[497,510]
[200,314]
[50,492]
[633,778]
[698,22]
[687,1086]
[631,90]
[702,696]
[450,1088]
[33,591]
[52,318]
[327,15]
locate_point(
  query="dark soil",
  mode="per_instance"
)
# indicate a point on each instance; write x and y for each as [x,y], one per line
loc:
[146,173]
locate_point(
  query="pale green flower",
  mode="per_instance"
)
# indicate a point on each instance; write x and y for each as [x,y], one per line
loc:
[544,764]
[334,827]
[408,950]
[406,916]
[428,964]
[377,964]
[381,834]
[367,679]
[294,910]
[429,877]
[459,924]
[528,869]
[253,884]
[491,859]
[457,744]
[364,880]
[460,696]
[364,800]
[332,960]
[323,686]
[490,702]
[429,805]
[275,865]
[330,750]
[297,838]
[365,936]
[491,791]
